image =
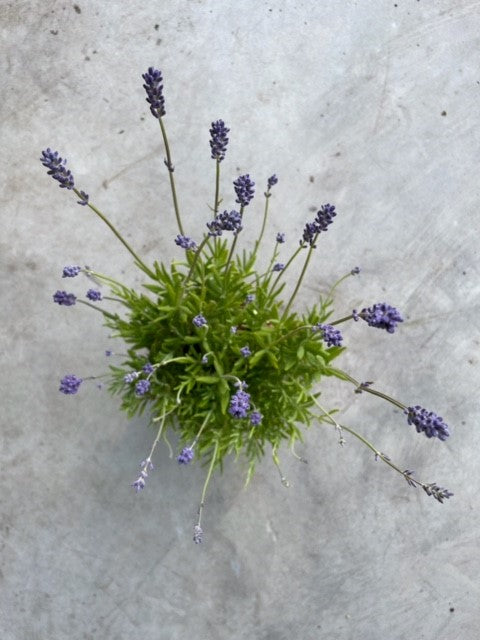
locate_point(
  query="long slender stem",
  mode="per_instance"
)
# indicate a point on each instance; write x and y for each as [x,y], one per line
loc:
[119,236]
[232,248]
[170,174]
[264,223]
[289,262]
[216,203]
[299,282]
[344,319]
[93,306]
[207,480]
[374,392]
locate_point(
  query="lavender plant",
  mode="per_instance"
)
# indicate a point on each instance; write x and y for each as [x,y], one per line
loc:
[213,352]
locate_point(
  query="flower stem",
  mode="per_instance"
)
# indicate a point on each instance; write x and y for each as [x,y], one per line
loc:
[140,263]
[170,174]
[216,203]
[341,319]
[232,248]
[264,223]
[207,480]
[93,306]
[299,282]
[374,392]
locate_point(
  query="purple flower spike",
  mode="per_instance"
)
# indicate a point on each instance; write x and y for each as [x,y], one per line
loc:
[130,377]
[71,272]
[148,368]
[244,189]
[57,169]
[185,242]
[245,351]
[280,238]
[323,218]
[64,298]
[427,422]
[255,418]
[226,221]
[199,321]
[142,387]
[70,384]
[330,335]
[279,266]
[250,297]
[185,456]
[139,483]
[197,534]
[219,140]
[381,316]
[154,88]
[94,295]
[239,404]
[83,199]
[355,271]
[272,181]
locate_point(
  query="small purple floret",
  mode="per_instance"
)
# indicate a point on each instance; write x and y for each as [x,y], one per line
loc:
[245,351]
[355,271]
[70,384]
[64,298]
[244,188]
[148,368]
[280,238]
[83,199]
[255,418]
[219,140]
[279,266]
[142,387]
[199,321]
[71,271]
[94,295]
[427,422]
[130,377]
[185,456]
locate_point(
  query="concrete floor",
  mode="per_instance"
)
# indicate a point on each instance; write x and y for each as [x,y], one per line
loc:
[372,105]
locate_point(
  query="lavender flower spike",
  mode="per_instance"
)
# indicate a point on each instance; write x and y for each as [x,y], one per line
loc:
[70,384]
[330,335]
[427,422]
[154,88]
[239,404]
[381,316]
[64,298]
[226,221]
[219,140]
[71,271]
[142,387]
[185,242]
[244,189]
[57,169]
[199,321]
[197,534]
[94,295]
[272,181]
[185,456]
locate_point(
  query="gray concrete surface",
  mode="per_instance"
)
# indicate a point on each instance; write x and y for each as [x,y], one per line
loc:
[372,105]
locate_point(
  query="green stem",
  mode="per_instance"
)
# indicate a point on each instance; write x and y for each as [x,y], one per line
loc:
[374,392]
[264,223]
[192,267]
[93,306]
[140,263]
[216,203]
[204,424]
[291,259]
[170,173]
[299,282]
[341,320]
[232,248]
[207,480]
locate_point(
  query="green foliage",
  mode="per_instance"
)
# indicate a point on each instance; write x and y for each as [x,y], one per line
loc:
[287,357]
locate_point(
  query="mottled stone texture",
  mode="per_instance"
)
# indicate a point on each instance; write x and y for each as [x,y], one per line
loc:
[370,105]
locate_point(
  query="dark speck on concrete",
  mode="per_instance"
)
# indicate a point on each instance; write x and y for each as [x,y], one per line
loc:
[312,179]
[121,131]
[452,609]
[444,113]
[156,27]
[54,32]
[77,8]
